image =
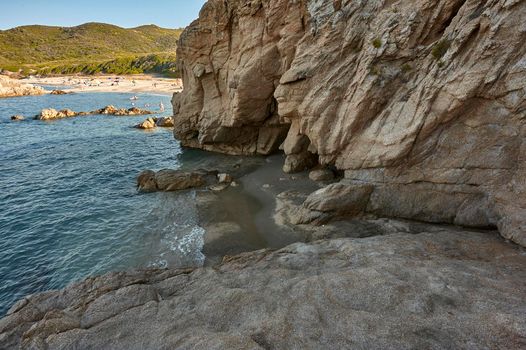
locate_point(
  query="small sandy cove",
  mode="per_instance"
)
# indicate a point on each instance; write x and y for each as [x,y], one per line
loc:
[111,83]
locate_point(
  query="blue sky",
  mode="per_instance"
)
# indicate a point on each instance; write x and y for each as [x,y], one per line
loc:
[124,13]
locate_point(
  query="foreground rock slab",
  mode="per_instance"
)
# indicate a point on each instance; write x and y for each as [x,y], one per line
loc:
[440,289]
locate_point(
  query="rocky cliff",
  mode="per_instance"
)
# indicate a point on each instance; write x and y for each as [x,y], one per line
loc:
[423,102]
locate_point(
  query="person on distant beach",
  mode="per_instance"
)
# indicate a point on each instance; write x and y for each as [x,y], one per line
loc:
[161,107]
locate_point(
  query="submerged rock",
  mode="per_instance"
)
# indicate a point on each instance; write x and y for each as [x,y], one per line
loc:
[442,288]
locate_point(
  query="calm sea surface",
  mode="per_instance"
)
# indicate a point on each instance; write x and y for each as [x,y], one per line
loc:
[68,204]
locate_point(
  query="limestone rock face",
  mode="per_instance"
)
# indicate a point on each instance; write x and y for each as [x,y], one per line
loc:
[439,289]
[396,94]
[12,88]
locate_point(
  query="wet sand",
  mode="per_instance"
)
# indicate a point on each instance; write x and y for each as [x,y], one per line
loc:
[110,83]
[240,218]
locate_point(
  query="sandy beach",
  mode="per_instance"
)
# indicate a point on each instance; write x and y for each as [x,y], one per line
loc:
[111,83]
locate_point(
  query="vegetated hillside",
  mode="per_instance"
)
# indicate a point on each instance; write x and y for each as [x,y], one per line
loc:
[88,48]
[162,63]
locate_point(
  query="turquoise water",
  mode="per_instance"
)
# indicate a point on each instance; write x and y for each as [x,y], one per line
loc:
[68,204]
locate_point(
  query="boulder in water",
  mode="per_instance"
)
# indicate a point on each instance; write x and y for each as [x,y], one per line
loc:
[51,114]
[58,92]
[17,117]
[148,124]
[165,122]
[146,181]
[130,111]
[106,110]
[174,180]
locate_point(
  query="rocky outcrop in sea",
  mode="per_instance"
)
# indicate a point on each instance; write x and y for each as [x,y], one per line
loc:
[12,88]
[53,114]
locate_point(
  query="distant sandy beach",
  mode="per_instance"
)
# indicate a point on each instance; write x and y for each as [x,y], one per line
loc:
[111,83]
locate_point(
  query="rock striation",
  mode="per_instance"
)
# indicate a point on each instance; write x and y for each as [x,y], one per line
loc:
[439,289]
[11,88]
[423,100]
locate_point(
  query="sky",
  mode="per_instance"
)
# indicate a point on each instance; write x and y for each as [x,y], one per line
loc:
[124,13]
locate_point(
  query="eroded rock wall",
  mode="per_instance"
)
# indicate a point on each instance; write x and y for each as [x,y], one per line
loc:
[423,99]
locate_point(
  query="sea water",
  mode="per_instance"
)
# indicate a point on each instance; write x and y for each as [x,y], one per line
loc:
[68,203]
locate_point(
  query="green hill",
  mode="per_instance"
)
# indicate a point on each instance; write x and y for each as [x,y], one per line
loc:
[89,48]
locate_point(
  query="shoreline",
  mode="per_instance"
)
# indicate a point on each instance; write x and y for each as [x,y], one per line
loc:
[110,83]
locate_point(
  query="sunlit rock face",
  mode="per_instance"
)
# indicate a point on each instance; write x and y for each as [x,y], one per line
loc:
[423,99]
